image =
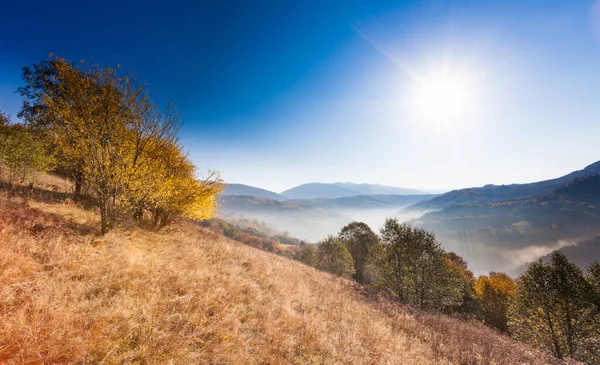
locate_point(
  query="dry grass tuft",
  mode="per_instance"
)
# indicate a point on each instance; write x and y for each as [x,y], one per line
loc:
[188,296]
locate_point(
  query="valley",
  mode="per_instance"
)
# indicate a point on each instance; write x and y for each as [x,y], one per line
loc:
[495,228]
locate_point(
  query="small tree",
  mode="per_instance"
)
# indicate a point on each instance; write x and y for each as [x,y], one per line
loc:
[465,281]
[358,238]
[413,267]
[494,294]
[333,256]
[552,308]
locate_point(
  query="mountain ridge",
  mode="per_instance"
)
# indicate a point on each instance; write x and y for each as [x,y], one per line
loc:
[236,189]
[316,190]
[496,193]
[496,230]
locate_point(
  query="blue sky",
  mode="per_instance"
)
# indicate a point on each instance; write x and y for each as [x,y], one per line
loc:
[278,93]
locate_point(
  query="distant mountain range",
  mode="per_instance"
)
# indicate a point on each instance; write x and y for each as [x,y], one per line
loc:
[340,190]
[320,190]
[496,193]
[247,190]
[363,201]
[250,203]
[501,230]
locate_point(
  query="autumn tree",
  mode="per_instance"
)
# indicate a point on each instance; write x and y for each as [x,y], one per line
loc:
[359,239]
[111,136]
[465,280]
[333,257]
[47,83]
[553,308]
[166,185]
[494,294]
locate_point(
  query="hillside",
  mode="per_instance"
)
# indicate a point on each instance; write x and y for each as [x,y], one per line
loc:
[339,190]
[496,193]
[493,232]
[247,190]
[185,295]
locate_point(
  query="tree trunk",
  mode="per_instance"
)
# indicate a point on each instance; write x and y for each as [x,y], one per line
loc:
[557,350]
[569,328]
[78,179]
[103,218]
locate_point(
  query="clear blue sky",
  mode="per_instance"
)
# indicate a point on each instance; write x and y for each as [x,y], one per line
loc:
[277,93]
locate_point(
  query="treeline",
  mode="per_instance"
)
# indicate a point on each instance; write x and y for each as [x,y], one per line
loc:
[100,127]
[257,235]
[554,306]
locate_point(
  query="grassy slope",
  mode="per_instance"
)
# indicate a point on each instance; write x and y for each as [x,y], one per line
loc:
[187,296]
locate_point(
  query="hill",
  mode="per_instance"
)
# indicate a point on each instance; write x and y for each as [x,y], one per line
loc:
[363,201]
[247,190]
[496,193]
[187,295]
[339,190]
[495,234]
[377,189]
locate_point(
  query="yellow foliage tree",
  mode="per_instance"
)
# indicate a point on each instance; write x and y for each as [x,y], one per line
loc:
[111,135]
[494,294]
[169,187]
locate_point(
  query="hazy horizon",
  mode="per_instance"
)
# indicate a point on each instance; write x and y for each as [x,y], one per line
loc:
[438,190]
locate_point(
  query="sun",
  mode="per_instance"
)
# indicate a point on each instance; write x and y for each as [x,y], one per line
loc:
[443,98]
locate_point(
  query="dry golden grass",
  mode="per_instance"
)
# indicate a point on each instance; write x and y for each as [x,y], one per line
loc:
[187,296]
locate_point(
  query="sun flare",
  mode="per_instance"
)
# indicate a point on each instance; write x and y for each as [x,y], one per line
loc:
[443,98]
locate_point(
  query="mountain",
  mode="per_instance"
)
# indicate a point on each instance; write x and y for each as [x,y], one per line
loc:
[364,201]
[376,189]
[339,190]
[496,193]
[241,189]
[317,190]
[252,203]
[505,233]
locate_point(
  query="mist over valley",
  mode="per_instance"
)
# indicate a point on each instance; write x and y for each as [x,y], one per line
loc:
[495,228]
